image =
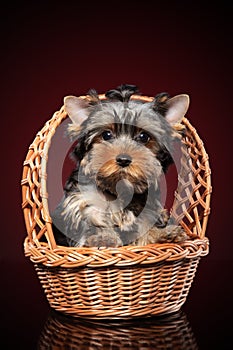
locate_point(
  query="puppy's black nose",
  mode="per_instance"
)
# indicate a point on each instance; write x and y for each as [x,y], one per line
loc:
[123,160]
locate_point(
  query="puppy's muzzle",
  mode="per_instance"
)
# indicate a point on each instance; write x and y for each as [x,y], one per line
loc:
[123,160]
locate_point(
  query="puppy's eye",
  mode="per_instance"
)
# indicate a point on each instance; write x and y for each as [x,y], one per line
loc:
[107,135]
[143,137]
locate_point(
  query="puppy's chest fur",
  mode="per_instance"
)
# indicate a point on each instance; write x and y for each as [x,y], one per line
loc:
[103,209]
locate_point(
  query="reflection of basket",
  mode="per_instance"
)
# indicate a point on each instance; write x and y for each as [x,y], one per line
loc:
[170,332]
[127,281]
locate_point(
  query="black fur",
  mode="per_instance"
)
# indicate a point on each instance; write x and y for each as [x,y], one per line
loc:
[122,93]
[160,105]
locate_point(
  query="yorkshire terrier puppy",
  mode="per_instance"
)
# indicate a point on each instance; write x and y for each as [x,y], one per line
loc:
[124,145]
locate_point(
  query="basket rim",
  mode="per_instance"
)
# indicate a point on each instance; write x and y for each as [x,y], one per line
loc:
[125,256]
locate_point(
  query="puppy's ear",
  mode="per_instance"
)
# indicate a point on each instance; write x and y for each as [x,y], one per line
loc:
[173,109]
[76,108]
[177,107]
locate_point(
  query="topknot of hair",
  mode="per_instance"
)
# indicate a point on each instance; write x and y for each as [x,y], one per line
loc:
[122,93]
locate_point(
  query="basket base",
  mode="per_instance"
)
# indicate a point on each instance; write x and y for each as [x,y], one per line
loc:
[127,315]
[118,293]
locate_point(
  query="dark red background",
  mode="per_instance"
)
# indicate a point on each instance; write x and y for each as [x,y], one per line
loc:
[50,50]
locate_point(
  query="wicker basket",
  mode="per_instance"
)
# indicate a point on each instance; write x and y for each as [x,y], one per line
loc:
[129,281]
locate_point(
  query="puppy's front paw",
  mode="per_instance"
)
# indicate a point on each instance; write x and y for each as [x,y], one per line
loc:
[173,234]
[103,240]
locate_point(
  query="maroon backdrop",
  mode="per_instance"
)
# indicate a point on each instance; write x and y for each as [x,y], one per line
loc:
[50,50]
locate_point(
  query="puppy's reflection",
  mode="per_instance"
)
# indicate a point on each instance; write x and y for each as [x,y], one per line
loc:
[167,332]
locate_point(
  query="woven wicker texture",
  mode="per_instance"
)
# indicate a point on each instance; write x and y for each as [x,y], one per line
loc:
[170,332]
[118,282]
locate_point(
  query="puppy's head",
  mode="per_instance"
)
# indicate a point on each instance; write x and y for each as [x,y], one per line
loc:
[120,138]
